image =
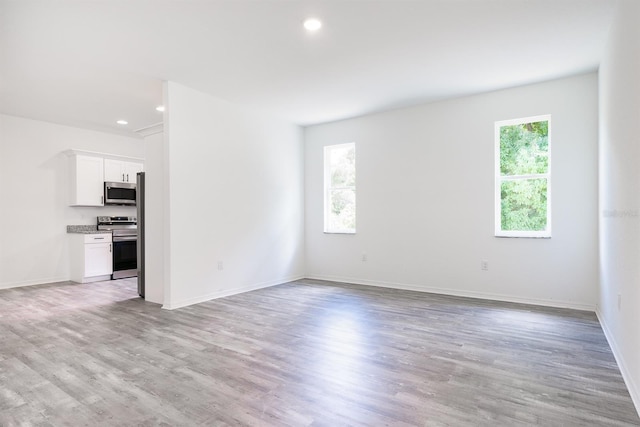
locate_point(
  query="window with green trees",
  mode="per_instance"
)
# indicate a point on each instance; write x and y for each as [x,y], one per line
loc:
[523,177]
[340,188]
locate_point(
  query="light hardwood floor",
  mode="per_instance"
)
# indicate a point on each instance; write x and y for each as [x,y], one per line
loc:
[304,353]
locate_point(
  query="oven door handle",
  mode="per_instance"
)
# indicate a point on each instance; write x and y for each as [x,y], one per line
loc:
[125,239]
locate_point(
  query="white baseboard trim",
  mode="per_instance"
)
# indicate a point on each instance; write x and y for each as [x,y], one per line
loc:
[632,386]
[355,281]
[46,281]
[459,293]
[172,305]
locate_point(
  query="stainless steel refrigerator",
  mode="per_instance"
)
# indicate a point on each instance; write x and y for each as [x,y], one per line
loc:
[140,188]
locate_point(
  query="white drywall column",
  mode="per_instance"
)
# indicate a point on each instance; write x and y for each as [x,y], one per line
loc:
[619,150]
[235,183]
[154,218]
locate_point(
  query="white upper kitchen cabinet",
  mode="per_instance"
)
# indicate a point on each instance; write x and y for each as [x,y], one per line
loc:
[121,170]
[87,180]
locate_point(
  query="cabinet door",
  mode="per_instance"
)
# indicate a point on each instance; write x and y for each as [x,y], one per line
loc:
[114,170]
[98,259]
[121,171]
[131,169]
[87,181]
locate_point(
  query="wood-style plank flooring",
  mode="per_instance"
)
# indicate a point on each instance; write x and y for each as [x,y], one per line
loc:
[304,353]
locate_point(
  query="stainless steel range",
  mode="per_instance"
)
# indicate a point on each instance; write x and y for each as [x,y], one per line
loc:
[125,241]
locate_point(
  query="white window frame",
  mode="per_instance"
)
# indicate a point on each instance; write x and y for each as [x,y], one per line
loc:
[328,188]
[499,179]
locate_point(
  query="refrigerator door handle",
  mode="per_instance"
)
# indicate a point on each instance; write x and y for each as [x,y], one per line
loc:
[140,247]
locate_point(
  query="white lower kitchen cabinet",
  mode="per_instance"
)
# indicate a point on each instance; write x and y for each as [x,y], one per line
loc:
[91,257]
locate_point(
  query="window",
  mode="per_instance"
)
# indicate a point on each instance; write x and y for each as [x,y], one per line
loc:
[340,188]
[523,177]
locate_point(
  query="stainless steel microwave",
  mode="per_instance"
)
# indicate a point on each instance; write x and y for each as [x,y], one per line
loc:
[119,193]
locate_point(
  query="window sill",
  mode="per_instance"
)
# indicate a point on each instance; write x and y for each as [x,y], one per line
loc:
[505,236]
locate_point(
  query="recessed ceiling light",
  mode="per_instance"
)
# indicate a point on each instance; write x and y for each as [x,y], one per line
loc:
[122,122]
[160,108]
[312,24]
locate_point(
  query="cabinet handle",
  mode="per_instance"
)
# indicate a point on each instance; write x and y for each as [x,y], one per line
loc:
[109,247]
[98,238]
[122,177]
[127,177]
[102,200]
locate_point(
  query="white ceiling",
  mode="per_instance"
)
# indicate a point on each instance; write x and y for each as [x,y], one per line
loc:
[90,63]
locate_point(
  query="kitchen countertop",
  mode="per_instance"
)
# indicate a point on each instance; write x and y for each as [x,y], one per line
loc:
[86,229]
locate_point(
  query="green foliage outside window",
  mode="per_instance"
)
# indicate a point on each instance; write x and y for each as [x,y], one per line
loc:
[342,189]
[524,205]
[524,165]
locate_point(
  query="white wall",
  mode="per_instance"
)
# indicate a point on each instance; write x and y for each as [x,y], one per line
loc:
[154,218]
[235,183]
[620,193]
[34,185]
[425,199]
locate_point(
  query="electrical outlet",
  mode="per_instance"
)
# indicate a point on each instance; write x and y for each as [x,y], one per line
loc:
[484,265]
[220,265]
[364,257]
